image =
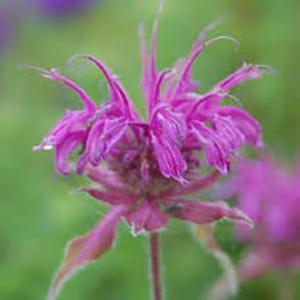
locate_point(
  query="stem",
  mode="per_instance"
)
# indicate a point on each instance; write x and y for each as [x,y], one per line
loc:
[155,267]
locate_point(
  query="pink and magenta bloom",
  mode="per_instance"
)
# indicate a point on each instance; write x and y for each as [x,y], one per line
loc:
[146,169]
[270,195]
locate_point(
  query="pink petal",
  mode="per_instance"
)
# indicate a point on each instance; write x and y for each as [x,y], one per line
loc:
[147,217]
[185,83]
[65,149]
[111,198]
[102,138]
[209,102]
[224,133]
[63,127]
[87,248]
[118,94]
[245,123]
[107,179]
[144,58]
[194,186]
[246,72]
[152,79]
[201,212]
[113,132]
[93,141]
[154,97]
[53,74]
[217,150]
[168,131]
[170,160]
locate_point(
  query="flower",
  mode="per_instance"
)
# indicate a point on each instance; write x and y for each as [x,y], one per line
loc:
[270,196]
[145,169]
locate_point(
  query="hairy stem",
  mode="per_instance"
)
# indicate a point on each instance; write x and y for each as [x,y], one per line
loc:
[155,267]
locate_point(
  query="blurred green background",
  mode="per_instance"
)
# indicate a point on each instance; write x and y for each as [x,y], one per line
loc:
[39,214]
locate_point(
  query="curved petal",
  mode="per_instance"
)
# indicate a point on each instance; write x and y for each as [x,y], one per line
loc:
[65,149]
[194,186]
[245,123]
[152,79]
[185,84]
[118,93]
[209,102]
[111,198]
[102,137]
[168,131]
[201,212]
[70,120]
[170,160]
[246,72]
[89,104]
[224,133]
[87,248]
[154,96]
[216,148]
[107,179]
[93,141]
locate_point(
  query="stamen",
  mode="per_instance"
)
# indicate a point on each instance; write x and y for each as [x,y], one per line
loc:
[267,69]
[40,70]
[235,99]
[222,37]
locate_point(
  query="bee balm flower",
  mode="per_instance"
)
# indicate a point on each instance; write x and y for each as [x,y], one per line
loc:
[146,168]
[271,197]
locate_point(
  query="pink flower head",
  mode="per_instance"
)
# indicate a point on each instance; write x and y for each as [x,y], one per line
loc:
[271,197]
[145,168]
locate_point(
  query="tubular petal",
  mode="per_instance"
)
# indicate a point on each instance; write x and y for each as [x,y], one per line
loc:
[246,72]
[170,160]
[65,149]
[118,94]
[245,123]
[89,104]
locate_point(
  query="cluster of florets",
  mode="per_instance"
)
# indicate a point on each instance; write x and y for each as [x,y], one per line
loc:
[181,125]
[145,168]
[270,196]
[154,157]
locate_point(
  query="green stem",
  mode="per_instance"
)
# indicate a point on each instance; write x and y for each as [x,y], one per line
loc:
[155,267]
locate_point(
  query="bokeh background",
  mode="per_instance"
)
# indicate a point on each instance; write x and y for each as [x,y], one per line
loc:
[38,211]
